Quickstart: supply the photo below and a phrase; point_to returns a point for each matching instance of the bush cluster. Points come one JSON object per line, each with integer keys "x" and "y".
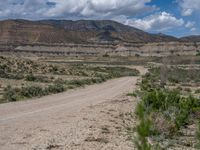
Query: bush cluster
{"x": 163, "y": 112}
{"x": 15, "y": 94}
{"x": 33, "y": 78}
{"x": 176, "y": 75}
{"x": 169, "y": 102}
{"x": 6, "y": 75}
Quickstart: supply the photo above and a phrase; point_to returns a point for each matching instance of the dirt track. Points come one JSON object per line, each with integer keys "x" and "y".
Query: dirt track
{"x": 36, "y": 124}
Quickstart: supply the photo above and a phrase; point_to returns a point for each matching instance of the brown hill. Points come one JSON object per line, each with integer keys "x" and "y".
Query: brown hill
{"x": 63, "y": 31}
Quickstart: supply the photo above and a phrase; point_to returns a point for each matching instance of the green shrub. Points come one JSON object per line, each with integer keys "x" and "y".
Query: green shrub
{"x": 198, "y": 54}
{"x": 16, "y": 76}
{"x": 10, "y": 94}
{"x": 164, "y": 100}
{"x": 32, "y": 91}
{"x": 30, "y": 77}
{"x": 76, "y": 83}
{"x": 14, "y": 94}
{"x": 188, "y": 90}
{"x": 198, "y": 136}
{"x": 79, "y": 83}
{"x": 143, "y": 128}
{"x": 165, "y": 110}
{"x": 56, "y": 88}
{"x": 174, "y": 79}
{"x": 197, "y": 91}
{"x": 134, "y": 94}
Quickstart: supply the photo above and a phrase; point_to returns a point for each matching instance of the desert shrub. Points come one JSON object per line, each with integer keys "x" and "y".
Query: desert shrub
{"x": 54, "y": 69}
{"x": 175, "y": 75}
{"x": 76, "y": 83}
{"x": 137, "y": 55}
{"x": 143, "y": 129}
{"x": 79, "y": 83}
{"x": 58, "y": 81}
{"x": 56, "y": 88}
{"x": 145, "y": 85}
{"x": 14, "y": 94}
{"x": 113, "y": 72}
{"x": 36, "y": 91}
{"x": 10, "y": 94}
{"x": 103, "y": 77}
{"x": 197, "y": 91}
{"x": 6, "y": 75}
{"x": 198, "y": 136}
{"x": 32, "y": 91}
{"x": 134, "y": 94}
{"x": 31, "y": 77}
{"x": 179, "y": 88}
{"x": 187, "y": 89}
{"x": 173, "y": 79}
{"x": 198, "y": 54}
{"x": 174, "y": 108}
{"x": 167, "y": 110}
{"x": 106, "y": 55}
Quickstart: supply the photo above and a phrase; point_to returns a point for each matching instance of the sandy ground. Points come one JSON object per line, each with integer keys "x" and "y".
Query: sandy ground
{"x": 86, "y": 118}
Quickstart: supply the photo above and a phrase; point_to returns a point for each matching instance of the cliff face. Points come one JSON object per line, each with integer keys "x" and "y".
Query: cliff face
{"x": 139, "y": 49}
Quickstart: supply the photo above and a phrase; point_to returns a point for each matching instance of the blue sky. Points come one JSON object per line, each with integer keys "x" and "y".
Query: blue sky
{"x": 173, "y": 17}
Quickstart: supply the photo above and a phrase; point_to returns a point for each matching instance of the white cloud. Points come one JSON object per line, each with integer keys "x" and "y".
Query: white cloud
{"x": 189, "y": 24}
{"x": 65, "y": 9}
{"x": 158, "y": 22}
{"x": 22, "y": 8}
{"x": 187, "y": 12}
{"x": 99, "y": 8}
{"x": 193, "y": 29}
{"x": 189, "y": 6}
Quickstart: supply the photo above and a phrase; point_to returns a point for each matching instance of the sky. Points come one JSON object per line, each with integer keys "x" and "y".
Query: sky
{"x": 173, "y": 17}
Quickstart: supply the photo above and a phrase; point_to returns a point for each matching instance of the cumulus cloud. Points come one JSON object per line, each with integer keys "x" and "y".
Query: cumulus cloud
{"x": 189, "y": 6}
{"x": 158, "y": 22}
{"x": 72, "y": 8}
{"x": 22, "y": 8}
{"x": 193, "y": 29}
{"x": 99, "y": 8}
{"x": 190, "y": 25}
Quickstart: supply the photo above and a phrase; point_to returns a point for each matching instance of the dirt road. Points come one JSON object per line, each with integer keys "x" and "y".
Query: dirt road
{"x": 37, "y": 124}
